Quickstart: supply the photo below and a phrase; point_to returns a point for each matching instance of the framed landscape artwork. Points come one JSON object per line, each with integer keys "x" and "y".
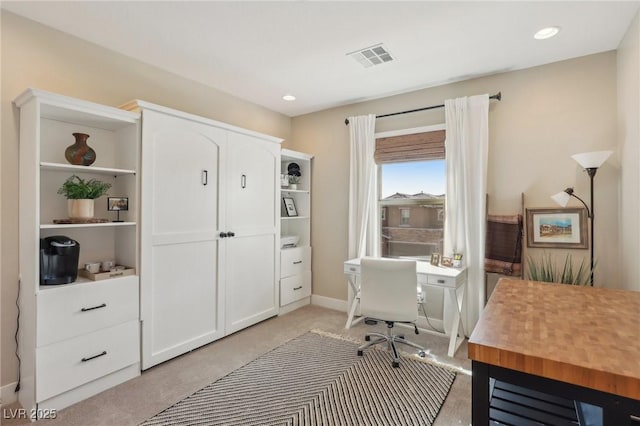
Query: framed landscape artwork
{"x": 557, "y": 228}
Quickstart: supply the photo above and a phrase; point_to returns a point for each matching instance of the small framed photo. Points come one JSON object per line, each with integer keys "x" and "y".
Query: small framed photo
{"x": 290, "y": 206}
{"x": 557, "y": 228}
{"x": 435, "y": 259}
{"x": 446, "y": 261}
{"x": 115, "y": 204}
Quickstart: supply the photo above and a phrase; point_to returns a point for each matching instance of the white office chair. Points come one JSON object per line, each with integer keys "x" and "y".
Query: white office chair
{"x": 388, "y": 292}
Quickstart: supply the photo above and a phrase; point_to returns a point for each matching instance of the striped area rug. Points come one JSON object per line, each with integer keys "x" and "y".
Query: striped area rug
{"x": 317, "y": 379}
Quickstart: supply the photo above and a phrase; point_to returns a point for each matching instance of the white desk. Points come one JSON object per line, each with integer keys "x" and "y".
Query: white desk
{"x": 448, "y": 279}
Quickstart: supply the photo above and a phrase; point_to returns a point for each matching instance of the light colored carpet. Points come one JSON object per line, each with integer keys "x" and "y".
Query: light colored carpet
{"x": 158, "y": 388}
{"x": 317, "y": 379}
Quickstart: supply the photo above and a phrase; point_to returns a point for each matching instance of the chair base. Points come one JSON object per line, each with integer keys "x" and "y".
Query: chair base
{"x": 390, "y": 339}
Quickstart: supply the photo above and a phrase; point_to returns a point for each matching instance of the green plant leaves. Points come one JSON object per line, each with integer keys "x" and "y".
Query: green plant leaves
{"x": 547, "y": 269}
{"x": 76, "y": 188}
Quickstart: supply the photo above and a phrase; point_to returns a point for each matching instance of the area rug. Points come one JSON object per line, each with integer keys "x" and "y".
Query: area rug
{"x": 318, "y": 379}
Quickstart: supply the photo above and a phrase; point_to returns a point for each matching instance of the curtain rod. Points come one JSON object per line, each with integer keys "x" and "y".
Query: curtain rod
{"x": 497, "y": 96}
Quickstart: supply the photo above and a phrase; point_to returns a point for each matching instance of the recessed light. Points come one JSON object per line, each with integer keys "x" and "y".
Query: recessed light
{"x": 546, "y": 33}
{"x": 289, "y": 98}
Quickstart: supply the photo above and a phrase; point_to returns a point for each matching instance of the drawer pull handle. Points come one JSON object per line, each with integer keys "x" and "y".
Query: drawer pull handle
{"x": 297, "y": 262}
{"x": 352, "y": 269}
{"x": 103, "y": 353}
{"x": 440, "y": 281}
{"x": 297, "y": 288}
{"x": 104, "y": 305}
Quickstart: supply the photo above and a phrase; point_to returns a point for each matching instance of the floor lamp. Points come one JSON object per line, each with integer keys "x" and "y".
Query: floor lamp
{"x": 590, "y": 162}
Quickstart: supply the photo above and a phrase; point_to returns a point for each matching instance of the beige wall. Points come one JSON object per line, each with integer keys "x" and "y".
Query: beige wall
{"x": 36, "y": 56}
{"x": 629, "y": 138}
{"x": 547, "y": 114}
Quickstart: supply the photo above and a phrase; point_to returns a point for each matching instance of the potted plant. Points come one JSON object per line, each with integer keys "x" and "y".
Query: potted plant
{"x": 81, "y": 194}
{"x": 548, "y": 269}
{"x": 293, "y": 181}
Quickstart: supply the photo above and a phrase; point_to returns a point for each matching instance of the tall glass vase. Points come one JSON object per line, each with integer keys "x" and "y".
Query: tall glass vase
{"x": 80, "y": 154}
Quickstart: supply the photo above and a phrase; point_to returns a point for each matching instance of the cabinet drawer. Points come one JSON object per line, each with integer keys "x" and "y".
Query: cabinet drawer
{"x": 295, "y": 288}
{"x": 295, "y": 261}
{"x": 438, "y": 280}
{"x": 65, "y": 365}
{"x": 352, "y": 269}
{"x": 74, "y": 310}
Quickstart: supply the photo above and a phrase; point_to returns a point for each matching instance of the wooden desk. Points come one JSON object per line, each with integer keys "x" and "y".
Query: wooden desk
{"x": 582, "y": 343}
{"x": 450, "y": 279}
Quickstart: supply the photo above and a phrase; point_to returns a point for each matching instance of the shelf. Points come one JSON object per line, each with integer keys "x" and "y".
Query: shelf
{"x": 300, "y": 191}
{"x": 294, "y": 217}
{"x": 76, "y": 111}
{"x": 85, "y": 169}
{"x": 79, "y": 281}
{"x": 84, "y": 225}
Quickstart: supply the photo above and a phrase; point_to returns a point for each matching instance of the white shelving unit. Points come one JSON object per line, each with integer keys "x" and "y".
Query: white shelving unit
{"x": 295, "y": 262}
{"x": 80, "y": 338}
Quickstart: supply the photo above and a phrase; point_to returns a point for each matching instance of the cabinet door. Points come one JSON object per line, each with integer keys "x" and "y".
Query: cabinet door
{"x": 251, "y": 291}
{"x": 181, "y": 301}
{"x": 252, "y": 200}
{"x": 253, "y": 182}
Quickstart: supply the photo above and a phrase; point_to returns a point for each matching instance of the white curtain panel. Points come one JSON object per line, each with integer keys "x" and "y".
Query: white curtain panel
{"x": 467, "y": 144}
{"x": 363, "y": 219}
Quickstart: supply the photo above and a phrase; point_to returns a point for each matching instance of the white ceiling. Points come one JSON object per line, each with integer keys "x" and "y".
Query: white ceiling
{"x": 262, "y": 50}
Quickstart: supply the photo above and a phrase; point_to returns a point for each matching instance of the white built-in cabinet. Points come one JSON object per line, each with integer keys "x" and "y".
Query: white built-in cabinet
{"x": 295, "y": 262}
{"x": 76, "y": 339}
{"x": 210, "y": 230}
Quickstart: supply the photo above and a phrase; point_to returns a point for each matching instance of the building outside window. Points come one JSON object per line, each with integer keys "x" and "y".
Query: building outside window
{"x": 412, "y": 221}
{"x": 411, "y": 191}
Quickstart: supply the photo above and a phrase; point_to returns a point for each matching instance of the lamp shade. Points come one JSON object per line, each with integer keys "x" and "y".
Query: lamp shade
{"x": 562, "y": 198}
{"x": 592, "y": 160}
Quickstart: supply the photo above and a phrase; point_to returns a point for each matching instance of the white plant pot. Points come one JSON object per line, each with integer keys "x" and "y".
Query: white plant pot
{"x": 80, "y": 209}
{"x": 293, "y": 186}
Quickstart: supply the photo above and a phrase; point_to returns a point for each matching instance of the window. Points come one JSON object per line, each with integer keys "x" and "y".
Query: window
{"x": 411, "y": 200}
{"x": 405, "y": 214}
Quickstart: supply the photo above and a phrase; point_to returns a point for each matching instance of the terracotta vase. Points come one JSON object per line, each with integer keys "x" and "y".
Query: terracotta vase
{"x": 80, "y": 154}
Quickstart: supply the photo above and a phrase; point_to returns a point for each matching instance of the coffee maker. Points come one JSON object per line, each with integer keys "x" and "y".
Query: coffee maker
{"x": 58, "y": 260}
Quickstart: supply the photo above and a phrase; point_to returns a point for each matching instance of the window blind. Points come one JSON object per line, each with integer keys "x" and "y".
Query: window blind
{"x": 415, "y": 147}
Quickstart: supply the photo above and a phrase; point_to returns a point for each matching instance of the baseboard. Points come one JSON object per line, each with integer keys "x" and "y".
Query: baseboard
{"x": 329, "y": 303}
{"x": 294, "y": 305}
{"x": 8, "y": 394}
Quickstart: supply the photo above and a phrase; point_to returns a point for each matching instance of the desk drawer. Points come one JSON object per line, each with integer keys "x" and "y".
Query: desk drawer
{"x": 66, "y": 365}
{"x": 352, "y": 269}
{"x": 71, "y": 311}
{"x": 295, "y": 288}
{"x": 440, "y": 281}
{"x": 295, "y": 261}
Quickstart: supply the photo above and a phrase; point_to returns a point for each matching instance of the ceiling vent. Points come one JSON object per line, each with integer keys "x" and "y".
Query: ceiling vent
{"x": 373, "y": 55}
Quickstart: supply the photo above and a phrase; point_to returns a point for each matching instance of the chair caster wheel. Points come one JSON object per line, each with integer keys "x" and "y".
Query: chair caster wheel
{"x": 360, "y": 353}
{"x": 395, "y": 364}
{"x": 401, "y": 336}
{"x": 422, "y": 354}
{"x": 367, "y": 338}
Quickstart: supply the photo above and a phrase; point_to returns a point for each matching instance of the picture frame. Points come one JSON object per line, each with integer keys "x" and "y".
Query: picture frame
{"x": 435, "y": 259}
{"x": 115, "y": 204}
{"x": 557, "y": 228}
{"x": 290, "y": 206}
{"x": 446, "y": 261}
